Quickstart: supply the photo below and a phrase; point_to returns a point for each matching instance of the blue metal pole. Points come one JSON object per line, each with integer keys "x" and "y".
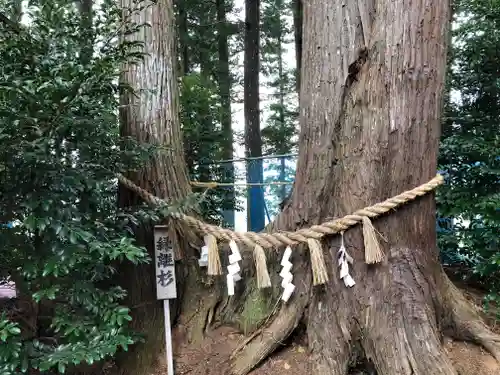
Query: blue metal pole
{"x": 256, "y": 217}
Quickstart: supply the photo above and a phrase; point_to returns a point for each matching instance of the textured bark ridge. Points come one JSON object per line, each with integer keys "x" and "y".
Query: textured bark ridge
{"x": 371, "y": 96}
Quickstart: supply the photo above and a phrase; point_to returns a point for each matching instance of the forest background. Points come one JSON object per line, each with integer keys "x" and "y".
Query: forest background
{"x": 212, "y": 68}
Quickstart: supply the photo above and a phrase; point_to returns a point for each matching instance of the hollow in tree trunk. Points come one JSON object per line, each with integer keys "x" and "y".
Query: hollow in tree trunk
{"x": 370, "y": 106}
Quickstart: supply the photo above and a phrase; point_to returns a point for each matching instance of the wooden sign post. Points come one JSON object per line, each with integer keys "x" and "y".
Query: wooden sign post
{"x": 165, "y": 284}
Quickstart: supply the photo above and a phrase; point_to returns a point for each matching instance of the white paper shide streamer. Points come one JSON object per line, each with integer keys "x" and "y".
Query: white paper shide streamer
{"x": 233, "y": 270}
{"x": 203, "y": 261}
{"x": 286, "y": 275}
{"x": 344, "y": 260}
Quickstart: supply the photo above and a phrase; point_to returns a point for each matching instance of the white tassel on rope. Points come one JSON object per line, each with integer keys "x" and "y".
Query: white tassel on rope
{"x": 286, "y": 275}
{"x": 214, "y": 266}
{"x": 263, "y": 279}
{"x": 233, "y": 270}
{"x": 318, "y": 265}
{"x": 343, "y": 260}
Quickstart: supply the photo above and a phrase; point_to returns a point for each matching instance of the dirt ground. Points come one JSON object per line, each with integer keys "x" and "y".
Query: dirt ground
{"x": 212, "y": 357}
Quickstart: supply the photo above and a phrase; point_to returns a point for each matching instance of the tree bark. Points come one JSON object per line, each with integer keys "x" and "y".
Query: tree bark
{"x": 150, "y": 115}
{"x": 371, "y": 98}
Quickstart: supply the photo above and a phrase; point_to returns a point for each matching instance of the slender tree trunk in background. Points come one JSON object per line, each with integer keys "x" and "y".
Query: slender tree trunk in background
{"x": 205, "y": 64}
{"x": 207, "y": 75}
{"x": 151, "y": 116}
{"x": 297, "y": 27}
{"x": 183, "y": 37}
{"x": 371, "y": 98}
{"x": 253, "y": 139}
{"x": 85, "y": 7}
{"x": 206, "y": 121}
{"x": 224, "y": 79}
{"x": 282, "y": 94}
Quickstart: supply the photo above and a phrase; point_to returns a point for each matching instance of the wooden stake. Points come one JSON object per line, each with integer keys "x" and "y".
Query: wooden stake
{"x": 168, "y": 337}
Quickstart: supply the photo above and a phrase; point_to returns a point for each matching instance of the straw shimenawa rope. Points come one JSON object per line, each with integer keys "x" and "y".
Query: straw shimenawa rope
{"x": 278, "y": 239}
{"x": 310, "y": 236}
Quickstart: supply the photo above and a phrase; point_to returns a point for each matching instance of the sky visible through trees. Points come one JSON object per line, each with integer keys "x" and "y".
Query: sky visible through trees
{"x": 238, "y": 118}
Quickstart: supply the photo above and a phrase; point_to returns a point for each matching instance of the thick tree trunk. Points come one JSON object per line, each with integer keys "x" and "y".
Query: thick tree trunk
{"x": 151, "y": 116}
{"x": 371, "y": 97}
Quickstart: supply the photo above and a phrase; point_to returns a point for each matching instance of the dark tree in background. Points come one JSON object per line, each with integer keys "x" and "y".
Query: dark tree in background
{"x": 253, "y": 138}
{"x": 224, "y": 29}
{"x": 297, "y": 26}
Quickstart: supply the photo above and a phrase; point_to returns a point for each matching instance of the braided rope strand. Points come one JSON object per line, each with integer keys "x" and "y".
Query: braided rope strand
{"x": 285, "y": 238}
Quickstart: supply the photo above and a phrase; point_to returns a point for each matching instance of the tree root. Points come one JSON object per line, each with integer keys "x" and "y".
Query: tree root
{"x": 285, "y": 321}
{"x": 199, "y": 305}
{"x": 467, "y": 322}
{"x": 271, "y": 338}
{"x": 331, "y": 348}
{"x": 406, "y": 347}
{"x": 332, "y": 360}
